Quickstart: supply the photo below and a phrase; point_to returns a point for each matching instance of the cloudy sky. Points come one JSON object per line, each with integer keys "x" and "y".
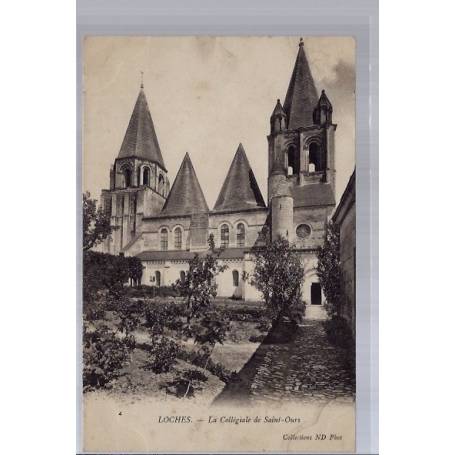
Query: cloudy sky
{"x": 206, "y": 95}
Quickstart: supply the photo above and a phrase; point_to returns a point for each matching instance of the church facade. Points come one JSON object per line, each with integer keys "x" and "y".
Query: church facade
{"x": 165, "y": 226}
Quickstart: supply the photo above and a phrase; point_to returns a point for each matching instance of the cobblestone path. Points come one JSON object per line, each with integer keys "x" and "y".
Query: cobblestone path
{"x": 303, "y": 366}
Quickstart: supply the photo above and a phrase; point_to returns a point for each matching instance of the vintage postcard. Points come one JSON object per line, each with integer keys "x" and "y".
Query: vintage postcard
{"x": 219, "y": 258}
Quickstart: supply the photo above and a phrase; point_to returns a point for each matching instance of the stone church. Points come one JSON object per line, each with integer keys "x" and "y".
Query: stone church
{"x": 164, "y": 226}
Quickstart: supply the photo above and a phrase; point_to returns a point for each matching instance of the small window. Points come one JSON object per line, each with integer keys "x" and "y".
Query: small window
{"x": 158, "y": 278}
{"x": 315, "y": 158}
{"x": 235, "y": 278}
{"x": 303, "y": 231}
{"x": 293, "y": 161}
{"x": 240, "y": 235}
{"x": 224, "y": 236}
{"x": 161, "y": 184}
{"x": 178, "y": 238}
{"x": 127, "y": 177}
{"x": 182, "y": 276}
{"x": 146, "y": 176}
{"x": 164, "y": 239}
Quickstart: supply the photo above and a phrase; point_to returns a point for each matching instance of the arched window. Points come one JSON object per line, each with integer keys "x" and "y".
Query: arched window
{"x": 315, "y": 158}
{"x": 182, "y": 276}
{"x": 163, "y": 239}
{"x": 161, "y": 184}
{"x": 158, "y": 278}
{"x": 224, "y": 236}
{"x": 127, "y": 177}
{"x": 146, "y": 176}
{"x": 293, "y": 161}
{"x": 178, "y": 238}
{"x": 235, "y": 278}
{"x": 240, "y": 235}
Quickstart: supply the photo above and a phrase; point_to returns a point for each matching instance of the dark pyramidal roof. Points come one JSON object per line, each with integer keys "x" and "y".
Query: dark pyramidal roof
{"x": 240, "y": 190}
{"x": 278, "y": 109}
{"x": 186, "y": 196}
{"x": 140, "y": 139}
{"x": 301, "y": 97}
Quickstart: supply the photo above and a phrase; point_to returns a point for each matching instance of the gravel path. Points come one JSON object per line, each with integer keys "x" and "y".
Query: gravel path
{"x": 293, "y": 365}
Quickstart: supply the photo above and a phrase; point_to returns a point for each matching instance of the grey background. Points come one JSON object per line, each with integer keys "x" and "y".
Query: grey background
{"x": 357, "y": 18}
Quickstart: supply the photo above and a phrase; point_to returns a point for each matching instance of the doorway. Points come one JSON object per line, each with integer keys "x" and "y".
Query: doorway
{"x": 316, "y": 294}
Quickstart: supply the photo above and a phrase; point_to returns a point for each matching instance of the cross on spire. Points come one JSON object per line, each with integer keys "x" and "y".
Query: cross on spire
{"x": 142, "y": 79}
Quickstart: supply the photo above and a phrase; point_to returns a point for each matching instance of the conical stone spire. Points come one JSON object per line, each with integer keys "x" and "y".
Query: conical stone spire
{"x": 186, "y": 196}
{"x": 301, "y": 97}
{"x": 140, "y": 139}
{"x": 240, "y": 190}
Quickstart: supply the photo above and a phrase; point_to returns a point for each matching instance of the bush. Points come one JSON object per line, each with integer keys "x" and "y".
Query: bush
{"x": 108, "y": 272}
{"x": 162, "y": 315}
{"x": 104, "y": 355}
{"x": 256, "y": 339}
{"x": 145, "y": 291}
{"x": 163, "y": 353}
{"x": 338, "y": 332}
{"x": 236, "y": 297}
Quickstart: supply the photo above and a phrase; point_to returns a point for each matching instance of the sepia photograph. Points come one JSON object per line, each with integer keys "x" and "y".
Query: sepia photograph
{"x": 219, "y": 243}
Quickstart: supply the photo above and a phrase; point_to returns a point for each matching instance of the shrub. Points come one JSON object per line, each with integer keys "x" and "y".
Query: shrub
{"x": 145, "y": 291}
{"x": 329, "y": 271}
{"x": 162, "y": 315}
{"x": 338, "y": 332}
{"x": 104, "y": 355}
{"x": 162, "y": 355}
{"x": 278, "y": 275}
{"x": 236, "y": 297}
{"x": 256, "y": 338}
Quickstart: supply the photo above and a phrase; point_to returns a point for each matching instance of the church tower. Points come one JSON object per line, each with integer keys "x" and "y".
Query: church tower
{"x": 139, "y": 184}
{"x": 301, "y": 150}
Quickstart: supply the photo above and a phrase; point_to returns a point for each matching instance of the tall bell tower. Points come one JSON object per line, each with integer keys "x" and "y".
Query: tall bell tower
{"x": 139, "y": 184}
{"x": 301, "y": 148}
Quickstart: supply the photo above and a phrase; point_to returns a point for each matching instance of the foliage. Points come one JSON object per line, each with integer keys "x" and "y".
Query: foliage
{"x": 338, "y": 332}
{"x": 129, "y": 313}
{"x": 278, "y": 275}
{"x": 108, "y": 272}
{"x": 104, "y": 356}
{"x": 145, "y": 291}
{"x": 165, "y": 314}
{"x": 135, "y": 269}
{"x": 162, "y": 354}
{"x": 211, "y": 328}
{"x": 198, "y": 287}
{"x": 329, "y": 270}
{"x": 95, "y": 221}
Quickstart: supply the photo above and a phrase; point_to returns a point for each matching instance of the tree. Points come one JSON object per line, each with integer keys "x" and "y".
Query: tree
{"x": 278, "y": 275}
{"x": 135, "y": 269}
{"x": 198, "y": 287}
{"x": 329, "y": 270}
{"x": 96, "y": 223}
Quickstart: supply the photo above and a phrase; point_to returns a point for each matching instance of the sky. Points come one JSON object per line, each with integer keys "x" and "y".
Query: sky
{"x": 206, "y": 95}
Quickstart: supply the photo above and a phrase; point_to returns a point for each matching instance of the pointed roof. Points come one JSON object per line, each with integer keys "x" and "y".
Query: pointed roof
{"x": 278, "y": 109}
{"x": 301, "y": 97}
{"x": 140, "y": 139}
{"x": 240, "y": 190}
{"x": 324, "y": 101}
{"x": 186, "y": 196}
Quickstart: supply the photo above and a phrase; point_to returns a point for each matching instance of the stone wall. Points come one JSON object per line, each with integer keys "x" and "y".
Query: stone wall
{"x": 345, "y": 218}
